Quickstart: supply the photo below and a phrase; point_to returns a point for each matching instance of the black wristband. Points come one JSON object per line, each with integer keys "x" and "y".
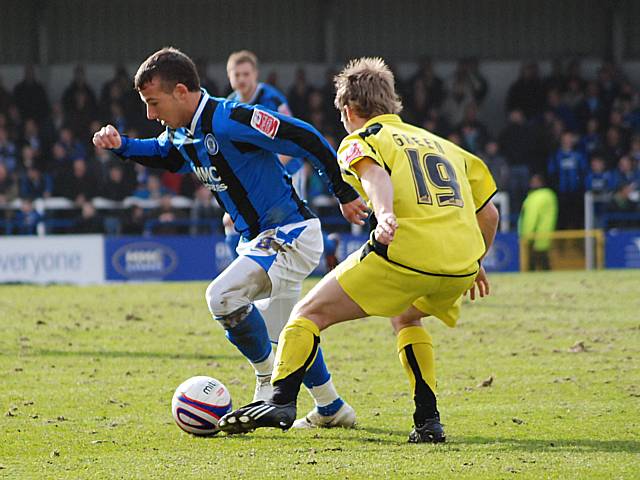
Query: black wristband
{"x": 346, "y": 194}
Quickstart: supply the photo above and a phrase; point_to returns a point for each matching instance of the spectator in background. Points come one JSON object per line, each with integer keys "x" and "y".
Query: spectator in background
{"x": 497, "y": 164}
{"x": 8, "y": 151}
{"x": 599, "y": 180}
{"x": 608, "y": 84}
{"x": 90, "y": 221}
{"x": 119, "y": 89}
{"x": 456, "y": 103}
{"x": 436, "y": 124}
{"x": 591, "y": 107}
{"x": 626, "y": 173}
{"x": 8, "y": 187}
{"x": 204, "y": 211}
{"x": 613, "y": 147}
{"x": 515, "y": 143}
{"x": 417, "y": 106}
{"x": 117, "y": 117}
{"x": 80, "y": 186}
{"x": 35, "y": 184}
{"x": 545, "y": 131}
{"x": 616, "y": 119}
{"x": 316, "y": 112}
{"x": 77, "y": 86}
{"x": 560, "y": 110}
{"x": 80, "y": 114}
{"x": 623, "y": 201}
{"x": 133, "y": 223}
{"x": 473, "y": 133}
{"x": 153, "y": 190}
{"x": 634, "y": 149}
{"x": 30, "y": 96}
{"x": 468, "y": 71}
{"x": 591, "y": 141}
{"x": 68, "y": 147}
{"x": 573, "y": 96}
{"x": 167, "y": 217}
{"x": 57, "y": 121}
{"x": 14, "y": 121}
{"x": 527, "y": 92}
{"x": 29, "y": 159}
{"x": 298, "y": 95}
{"x": 27, "y": 218}
{"x": 32, "y": 137}
{"x": 429, "y": 81}
{"x": 115, "y": 186}
{"x": 537, "y": 220}
{"x": 567, "y": 169}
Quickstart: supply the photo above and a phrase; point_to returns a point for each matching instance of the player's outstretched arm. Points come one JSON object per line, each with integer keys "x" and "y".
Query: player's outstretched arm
{"x": 378, "y": 187}
{"x": 150, "y": 152}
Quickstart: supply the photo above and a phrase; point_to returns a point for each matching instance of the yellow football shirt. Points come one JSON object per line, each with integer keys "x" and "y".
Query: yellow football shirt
{"x": 438, "y": 188}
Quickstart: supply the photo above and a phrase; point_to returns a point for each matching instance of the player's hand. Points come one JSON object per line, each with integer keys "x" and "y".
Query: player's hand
{"x": 482, "y": 283}
{"x": 107, "y": 137}
{"x": 386, "y": 228}
{"x": 354, "y": 211}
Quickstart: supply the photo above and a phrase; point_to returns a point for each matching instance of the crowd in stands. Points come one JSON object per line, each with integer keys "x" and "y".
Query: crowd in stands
{"x": 581, "y": 133}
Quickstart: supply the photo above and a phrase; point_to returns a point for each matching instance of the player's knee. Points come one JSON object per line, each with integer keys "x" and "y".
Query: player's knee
{"x": 223, "y": 301}
{"x": 405, "y": 320}
{"x": 313, "y": 310}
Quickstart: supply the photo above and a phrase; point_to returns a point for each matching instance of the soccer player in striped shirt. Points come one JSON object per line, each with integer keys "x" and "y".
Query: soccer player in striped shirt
{"x": 232, "y": 147}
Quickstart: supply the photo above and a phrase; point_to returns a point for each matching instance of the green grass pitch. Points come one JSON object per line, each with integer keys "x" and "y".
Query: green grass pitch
{"x": 87, "y": 375}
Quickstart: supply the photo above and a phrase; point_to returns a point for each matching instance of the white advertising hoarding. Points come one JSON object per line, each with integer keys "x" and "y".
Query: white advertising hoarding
{"x": 52, "y": 259}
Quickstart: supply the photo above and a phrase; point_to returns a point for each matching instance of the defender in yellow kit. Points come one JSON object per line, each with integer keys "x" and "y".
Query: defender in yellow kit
{"x": 432, "y": 223}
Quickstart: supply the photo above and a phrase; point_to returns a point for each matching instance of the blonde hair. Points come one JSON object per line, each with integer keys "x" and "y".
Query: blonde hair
{"x": 242, "y": 56}
{"x": 368, "y": 87}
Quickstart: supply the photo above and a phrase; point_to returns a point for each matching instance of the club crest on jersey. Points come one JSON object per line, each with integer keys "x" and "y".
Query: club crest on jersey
{"x": 354, "y": 151}
{"x": 265, "y": 123}
{"x": 211, "y": 144}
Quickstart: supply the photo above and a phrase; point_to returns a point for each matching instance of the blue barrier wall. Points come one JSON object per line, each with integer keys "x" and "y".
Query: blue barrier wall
{"x": 204, "y": 257}
{"x": 165, "y": 258}
{"x": 622, "y": 249}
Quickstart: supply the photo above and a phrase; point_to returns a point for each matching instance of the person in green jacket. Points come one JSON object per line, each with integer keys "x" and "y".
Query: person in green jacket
{"x": 538, "y": 216}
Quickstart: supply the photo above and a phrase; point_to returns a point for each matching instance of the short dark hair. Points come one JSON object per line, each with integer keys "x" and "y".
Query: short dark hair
{"x": 171, "y": 66}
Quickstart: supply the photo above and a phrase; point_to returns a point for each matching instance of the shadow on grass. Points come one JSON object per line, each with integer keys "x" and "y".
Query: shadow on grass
{"x": 524, "y": 444}
{"x": 125, "y": 354}
{"x": 535, "y": 445}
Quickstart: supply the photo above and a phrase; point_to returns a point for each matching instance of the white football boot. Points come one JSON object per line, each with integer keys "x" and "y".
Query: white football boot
{"x": 345, "y": 417}
{"x": 264, "y": 389}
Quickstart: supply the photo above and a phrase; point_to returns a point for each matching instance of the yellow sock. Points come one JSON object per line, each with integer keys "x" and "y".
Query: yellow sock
{"x": 297, "y": 348}
{"x": 415, "y": 350}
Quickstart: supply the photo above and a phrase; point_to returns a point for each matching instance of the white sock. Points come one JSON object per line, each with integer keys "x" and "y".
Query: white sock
{"x": 265, "y": 367}
{"x": 324, "y": 394}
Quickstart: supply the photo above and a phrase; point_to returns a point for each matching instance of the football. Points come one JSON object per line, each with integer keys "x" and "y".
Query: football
{"x": 198, "y": 403}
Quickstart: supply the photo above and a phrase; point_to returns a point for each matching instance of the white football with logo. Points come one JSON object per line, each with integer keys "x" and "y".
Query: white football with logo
{"x": 198, "y": 404}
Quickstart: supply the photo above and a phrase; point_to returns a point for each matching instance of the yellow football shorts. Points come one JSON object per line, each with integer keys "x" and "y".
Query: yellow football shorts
{"x": 384, "y": 289}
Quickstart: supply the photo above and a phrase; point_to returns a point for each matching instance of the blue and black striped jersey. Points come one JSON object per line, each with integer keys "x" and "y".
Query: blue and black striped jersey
{"x": 232, "y": 147}
{"x": 268, "y": 96}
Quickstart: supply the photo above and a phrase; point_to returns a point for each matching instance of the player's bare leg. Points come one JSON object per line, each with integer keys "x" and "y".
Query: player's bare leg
{"x": 325, "y": 305}
{"x": 415, "y": 350}
{"x": 330, "y": 409}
